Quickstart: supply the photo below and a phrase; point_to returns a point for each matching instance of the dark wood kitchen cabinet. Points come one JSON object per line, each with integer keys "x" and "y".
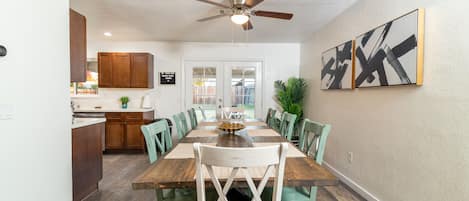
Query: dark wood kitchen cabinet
{"x": 87, "y": 159}
{"x": 115, "y": 135}
{"x": 121, "y": 70}
{"x": 125, "y": 70}
{"x": 77, "y": 46}
{"x": 142, "y": 70}
{"x": 105, "y": 68}
{"x": 134, "y": 138}
{"x": 123, "y": 130}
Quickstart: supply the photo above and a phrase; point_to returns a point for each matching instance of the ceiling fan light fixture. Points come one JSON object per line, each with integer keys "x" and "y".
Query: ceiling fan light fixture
{"x": 239, "y": 18}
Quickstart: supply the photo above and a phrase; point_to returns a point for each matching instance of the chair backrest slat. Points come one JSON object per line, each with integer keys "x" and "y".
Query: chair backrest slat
{"x": 269, "y": 120}
{"x": 157, "y": 136}
{"x": 287, "y": 125}
{"x": 183, "y": 118}
{"x": 178, "y": 123}
{"x": 181, "y": 124}
{"x": 240, "y": 159}
{"x": 313, "y": 137}
{"x": 192, "y": 117}
{"x": 202, "y": 111}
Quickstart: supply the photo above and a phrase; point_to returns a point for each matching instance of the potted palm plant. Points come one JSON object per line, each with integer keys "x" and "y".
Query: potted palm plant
{"x": 289, "y": 95}
{"x": 124, "y": 100}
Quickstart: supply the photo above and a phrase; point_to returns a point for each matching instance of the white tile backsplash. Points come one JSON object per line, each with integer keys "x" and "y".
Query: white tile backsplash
{"x": 109, "y": 98}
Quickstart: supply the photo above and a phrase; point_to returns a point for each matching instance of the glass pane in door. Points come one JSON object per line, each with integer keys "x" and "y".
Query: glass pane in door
{"x": 204, "y": 91}
{"x": 243, "y": 89}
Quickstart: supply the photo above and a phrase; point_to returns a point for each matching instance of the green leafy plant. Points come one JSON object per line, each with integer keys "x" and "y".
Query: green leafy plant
{"x": 290, "y": 95}
{"x": 124, "y": 99}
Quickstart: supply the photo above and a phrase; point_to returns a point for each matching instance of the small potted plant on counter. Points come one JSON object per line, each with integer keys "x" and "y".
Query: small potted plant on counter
{"x": 124, "y": 101}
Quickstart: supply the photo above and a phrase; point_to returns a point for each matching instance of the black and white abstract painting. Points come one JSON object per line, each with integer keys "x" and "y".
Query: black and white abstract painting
{"x": 337, "y": 68}
{"x": 387, "y": 55}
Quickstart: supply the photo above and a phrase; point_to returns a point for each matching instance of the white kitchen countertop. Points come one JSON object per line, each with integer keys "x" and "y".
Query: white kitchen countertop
{"x": 114, "y": 110}
{"x": 82, "y": 122}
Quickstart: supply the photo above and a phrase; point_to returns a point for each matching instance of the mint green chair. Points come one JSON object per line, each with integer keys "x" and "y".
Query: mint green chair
{"x": 193, "y": 118}
{"x": 182, "y": 116}
{"x": 313, "y": 137}
{"x": 287, "y": 125}
{"x": 181, "y": 124}
{"x": 157, "y": 136}
{"x": 275, "y": 123}
{"x": 269, "y": 120}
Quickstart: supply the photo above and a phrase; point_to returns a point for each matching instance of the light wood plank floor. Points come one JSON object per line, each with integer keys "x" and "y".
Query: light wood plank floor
{"x": 121, "y": 169}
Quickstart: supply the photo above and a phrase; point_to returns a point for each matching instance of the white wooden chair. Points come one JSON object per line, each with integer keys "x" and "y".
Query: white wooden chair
{"x": 240, "y": 159}
{"x": 230, "y": 112}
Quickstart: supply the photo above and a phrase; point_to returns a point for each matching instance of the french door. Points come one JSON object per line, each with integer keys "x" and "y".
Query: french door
{"x": 214, "y": 85}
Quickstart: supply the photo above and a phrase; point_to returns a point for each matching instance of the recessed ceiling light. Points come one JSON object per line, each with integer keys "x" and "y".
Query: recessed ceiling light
{"x": 108, "y": 34}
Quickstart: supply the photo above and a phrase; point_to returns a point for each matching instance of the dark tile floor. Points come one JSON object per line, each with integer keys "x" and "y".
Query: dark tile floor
{"x": 121, "y": 169}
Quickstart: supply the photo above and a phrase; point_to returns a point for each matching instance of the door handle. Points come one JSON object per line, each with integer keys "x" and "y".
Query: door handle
{"x": 3, "y": 51}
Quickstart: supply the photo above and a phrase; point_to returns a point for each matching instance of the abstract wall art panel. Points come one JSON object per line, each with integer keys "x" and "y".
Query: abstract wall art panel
{"x": 391, "y": 54}
{"x": 337, "y": 67}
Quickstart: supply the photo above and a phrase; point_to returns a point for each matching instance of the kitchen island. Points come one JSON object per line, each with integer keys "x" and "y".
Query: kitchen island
{"x": 87, "y": 155}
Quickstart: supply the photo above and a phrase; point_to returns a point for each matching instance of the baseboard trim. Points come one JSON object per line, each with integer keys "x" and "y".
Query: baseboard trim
{"x": 354, "y": 186}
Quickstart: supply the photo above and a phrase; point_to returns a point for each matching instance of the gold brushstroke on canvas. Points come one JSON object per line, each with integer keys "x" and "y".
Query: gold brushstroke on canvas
{"x": 420, "y": 46}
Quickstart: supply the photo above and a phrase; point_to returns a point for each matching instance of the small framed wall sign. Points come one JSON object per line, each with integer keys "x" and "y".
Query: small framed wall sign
{"x": 168, "y": 78}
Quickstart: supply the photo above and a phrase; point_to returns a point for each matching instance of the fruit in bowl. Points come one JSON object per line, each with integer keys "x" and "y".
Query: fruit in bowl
{"x": 231, "y": 127}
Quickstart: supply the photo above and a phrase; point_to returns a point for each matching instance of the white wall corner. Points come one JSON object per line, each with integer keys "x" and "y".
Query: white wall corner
{"x": 352, "y": 184}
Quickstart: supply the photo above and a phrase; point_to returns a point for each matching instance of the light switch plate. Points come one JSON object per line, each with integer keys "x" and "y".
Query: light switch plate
{"x": 7, "y": 111}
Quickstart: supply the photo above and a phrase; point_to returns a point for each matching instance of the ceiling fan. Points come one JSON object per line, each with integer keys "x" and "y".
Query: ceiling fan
{"x": 241, "y": 11}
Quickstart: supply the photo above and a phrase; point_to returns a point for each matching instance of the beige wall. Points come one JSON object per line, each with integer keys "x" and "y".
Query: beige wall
{"x": 409, "y": 143}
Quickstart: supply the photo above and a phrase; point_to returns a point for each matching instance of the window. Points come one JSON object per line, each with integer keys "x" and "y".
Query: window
{"x": 204, "y": 90}
{"x": 243, "y": 89}
{"x": 90, "y": 87}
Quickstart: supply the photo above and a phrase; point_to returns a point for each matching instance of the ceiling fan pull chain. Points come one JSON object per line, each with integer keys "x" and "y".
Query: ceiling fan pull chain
{"x": 232, "y": 34}
{"x": 246, "y": 36}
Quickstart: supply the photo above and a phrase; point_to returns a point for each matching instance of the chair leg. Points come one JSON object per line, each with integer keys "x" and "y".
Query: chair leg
{"x": 171, "y": 193}
{"x": 159, "y": 194}
{"x": 313, "y": 193}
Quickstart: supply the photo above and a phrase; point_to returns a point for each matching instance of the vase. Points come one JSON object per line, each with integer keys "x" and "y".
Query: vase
{"x": 124, "y": 105}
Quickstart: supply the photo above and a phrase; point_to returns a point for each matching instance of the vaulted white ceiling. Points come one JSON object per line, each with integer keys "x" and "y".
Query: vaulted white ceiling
{"x": 175, "y": 20}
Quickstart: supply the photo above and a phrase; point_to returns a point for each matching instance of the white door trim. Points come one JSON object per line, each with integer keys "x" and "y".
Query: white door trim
{"x": 259, "y": 77}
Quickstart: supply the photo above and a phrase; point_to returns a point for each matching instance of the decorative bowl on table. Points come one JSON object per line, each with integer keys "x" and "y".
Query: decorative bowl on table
{"x": 231, "y": 127}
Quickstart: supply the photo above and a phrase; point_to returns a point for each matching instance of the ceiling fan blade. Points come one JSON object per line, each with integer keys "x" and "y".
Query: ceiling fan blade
{"x": 252, "y": 3}
{"x": 211, "y": 17}
{"x": 215, "y": 3}
{"x": 284, "y": 16}
{"x": 247, "y": 26}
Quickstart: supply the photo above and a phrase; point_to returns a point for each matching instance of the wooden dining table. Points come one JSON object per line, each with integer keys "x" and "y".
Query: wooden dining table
{"x": 176, "y": 168}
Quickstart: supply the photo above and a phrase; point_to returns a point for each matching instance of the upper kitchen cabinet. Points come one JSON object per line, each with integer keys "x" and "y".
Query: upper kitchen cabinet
{"x": 105, "y": 68}
{"x": 121, "y": 66}
{"x": 77, "y": 47}
{"x": 125, "y": 70}
{"x": 142, "y": 70}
